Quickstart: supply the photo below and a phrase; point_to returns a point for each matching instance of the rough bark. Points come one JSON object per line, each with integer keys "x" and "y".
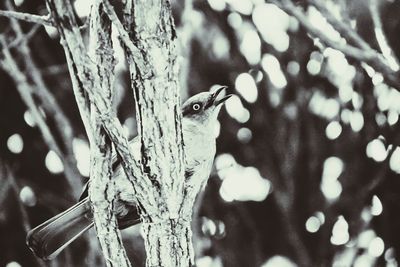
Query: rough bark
{"x": 167, "y": 234}
{"x": 157, "y": 176}
{"x": 168, "y": 243}
{"x": 102, "y": 189}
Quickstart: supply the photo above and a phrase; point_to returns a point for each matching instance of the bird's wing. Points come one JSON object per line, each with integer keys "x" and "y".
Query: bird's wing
{"x": 115, "y": 164}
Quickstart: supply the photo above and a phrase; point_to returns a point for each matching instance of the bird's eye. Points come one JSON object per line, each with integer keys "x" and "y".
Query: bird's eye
{"x": 196, "y": 107}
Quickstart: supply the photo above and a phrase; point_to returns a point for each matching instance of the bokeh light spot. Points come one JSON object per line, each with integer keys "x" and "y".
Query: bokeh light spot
{"x": 340, "y": 233}
{"x": 313, "y": 224}
{"x": 82, "y": 155}
{"x": 53, "y": 163}
{"x": 247, "y": 87}
{"x": 376, "y": 247}
{"x": 15, "y": 143}
{"x": 27, "y": 196}
{"x": 333, "y": 130}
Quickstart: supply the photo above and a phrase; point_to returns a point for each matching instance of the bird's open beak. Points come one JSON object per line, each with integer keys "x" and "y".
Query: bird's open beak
{"x": 217, "y": 101}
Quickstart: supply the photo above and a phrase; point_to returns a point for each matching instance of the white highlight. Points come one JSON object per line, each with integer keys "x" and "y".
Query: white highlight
{"x": 235, "y": 20}
{"x": 247, "y": 87}
{"x": 393, "y": 117}
{"x": 273, "y": 24}
{"x": 27, "y": 196}
{"x": 333, "y": 130}
{"x": 217, "y": 5}
{"x": 327, "y": 108}
{"x": 208, "y": 261}
{"x": 280, "y": 261}
{"x": 313, "y": 66}
{"x": 319, "y": 21}
{"x": 13, "y": 264}
{"x": 82, "y": 155}
{"x": 320, "y": 216}
{"x": 376, "y": 247}
{"x": 330, "y": 186}
{"x": 51, "y": 31}
{"x": 53, "y": 163}
{"x": 15, "y": 143}
{"x": 376, "y": 208}
{"x": 313, "y": 224}
{"x": 376, "y": 150}
{"x": 242, "y": 6}
{"x": 235, "y": 109}
{"x": 82, "y": 7}
{"x": 220, "y": 47}
{"x": 394, "y": 162}
{"x": 18, "y": 2}
{"x": 338, "y": 71}
{"x": 272, "y": 67}
{"x": 357, "y": 100}
{"x": 293, "y": 68}
{"x": 386, "y": 50}
{"x": 28, "y": 118}
{"x": 365, "y": 238}
{"x": 363, "y": 260}
{"x": 244, "y": 135}
{"x": 224, "y": 163}
{"x": 340, "y": 234}
{"x": 356, "y": 121}
{"x": 251, "y": 47}
{"x": 345, "y": 93}
{"x": 244, "y": 184}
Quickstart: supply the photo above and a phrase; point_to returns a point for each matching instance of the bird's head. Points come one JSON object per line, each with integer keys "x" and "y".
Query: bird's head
{"x": 203, "y": 108}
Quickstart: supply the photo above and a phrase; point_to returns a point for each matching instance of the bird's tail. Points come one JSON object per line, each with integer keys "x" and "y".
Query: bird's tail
{"x": 51, "y": 237}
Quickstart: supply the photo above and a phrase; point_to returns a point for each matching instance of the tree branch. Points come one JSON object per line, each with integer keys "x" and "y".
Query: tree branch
{"x": 102, "y": 187}
{"x": 8, "y": 174}
{"x": 345, "y": 29}
{"x": 157, "y": 176}
{"x": 25, "y": 38}
{"x": 25, "y": 90}
{"x": 149, "y": 23}
{"x": 369, "y": 56}
{"x": 381, "y": 38}
{"x": 50, "y": 104}
{"x": 43, "y": 20}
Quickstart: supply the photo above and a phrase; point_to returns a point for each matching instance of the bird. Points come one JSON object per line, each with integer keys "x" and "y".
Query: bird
{"x": 199, "y": 117}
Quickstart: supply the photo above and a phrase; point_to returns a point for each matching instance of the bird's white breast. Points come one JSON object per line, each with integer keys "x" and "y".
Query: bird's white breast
{"x": 199, "y": 147}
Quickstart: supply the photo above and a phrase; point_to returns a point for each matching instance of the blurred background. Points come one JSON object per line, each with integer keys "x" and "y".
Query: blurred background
{"x": 307, "y": 166}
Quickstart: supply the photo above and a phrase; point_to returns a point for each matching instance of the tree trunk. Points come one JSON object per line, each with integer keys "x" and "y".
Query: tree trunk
{"x": 168, "y": 243}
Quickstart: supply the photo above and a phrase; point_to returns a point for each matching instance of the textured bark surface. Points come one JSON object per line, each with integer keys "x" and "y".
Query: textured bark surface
{"x": 102, "y": 188}
{"x": 168, "y": 243}
{"x": 157, "y": 176}
{"x": 167, "y": 233}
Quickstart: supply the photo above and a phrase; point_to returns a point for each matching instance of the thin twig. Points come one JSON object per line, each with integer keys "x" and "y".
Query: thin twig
{"x": 102, "y": 188}
{"x": 6, "y": 172}
{"x": 50, "y": 104}
{"x": 384, "y": 46}
{"x": 26, "y": 91}
{"x": 24, "y": 38}
{"x": 340, "y": 26}
{"x": 43, "y": 20}
{"x": 54, "y": 69}
{"x": 375, "y": 60}
{"x": 85, "y": 83}
{"x": 140, "y": 61}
